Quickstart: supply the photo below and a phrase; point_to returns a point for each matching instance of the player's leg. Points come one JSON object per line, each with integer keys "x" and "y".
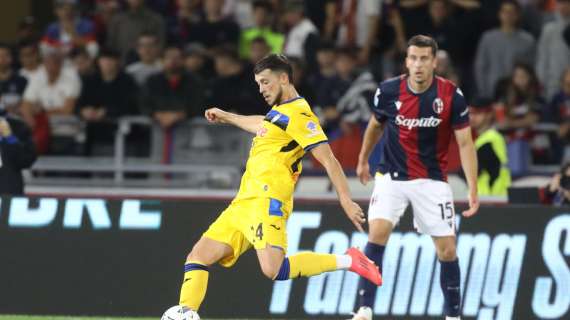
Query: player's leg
{"x": 222, "y": 243}
{"x": 204, "y": 253}
{"x": 276, "y": 266}
{"x": 450, "y": 277}
{"x": 266, "y": 231}
{"x": 434, "y": 214}
{"x": 387, "y": 205}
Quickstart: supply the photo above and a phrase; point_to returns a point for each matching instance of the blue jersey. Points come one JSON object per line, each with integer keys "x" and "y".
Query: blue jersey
{"x": 418, "y": 127}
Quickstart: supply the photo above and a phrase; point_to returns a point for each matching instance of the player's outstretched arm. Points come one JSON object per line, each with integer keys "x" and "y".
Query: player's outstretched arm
{"x": 247, "y": 123}
{"x": 468, "y": 156}
{"x": 324, "y": 155}
{"x": 372, "y": 135}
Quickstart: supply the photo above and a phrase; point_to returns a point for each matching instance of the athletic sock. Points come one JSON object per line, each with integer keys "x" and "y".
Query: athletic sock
{"x": 306, "y": 264}
{"x": 449, "y": 278}
{"x": 194, "y": 286}
{"x": 366, "y": 289}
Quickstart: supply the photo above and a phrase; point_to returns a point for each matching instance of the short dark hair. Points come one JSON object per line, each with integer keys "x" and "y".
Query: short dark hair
{"x": 263, "y": 4}
{"x": 514, "y": 3}
{"x": 274, "y": 62}
{"x": 109, "y": 53}
{"x": 423, "y": 41}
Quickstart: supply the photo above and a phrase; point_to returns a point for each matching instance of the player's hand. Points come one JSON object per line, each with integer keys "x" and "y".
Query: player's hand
{"x": 473, "y": 205}
{"x": 215, "y": 115}
{"x": 354, "y": 213}
{"x": 363, "y": 172}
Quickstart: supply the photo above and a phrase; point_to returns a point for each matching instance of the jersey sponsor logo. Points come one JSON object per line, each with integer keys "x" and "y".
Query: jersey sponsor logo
{"x": 411, "y": 123}
{"x": 398, "y": 105}
{"x": 437, "y": 105}
{"x": 312, "y": 126}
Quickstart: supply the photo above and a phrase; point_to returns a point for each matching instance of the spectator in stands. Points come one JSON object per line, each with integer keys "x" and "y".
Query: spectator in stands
{"x": 263, "y": 21}
{"x": 124, "y": 28}
{"x": 83, "y": 63}
{"x": 359, "y": 24}
{"x": 106, "y": 96}
{"x": 258, "y": 49}
{"x": 197, "y": 62}
{"x": 522, "y": 102}
{"x": 500, "y": 48}
{"x": 148, "y": 49}
{"x": 51, "y": 94}
{"x": 332, "y": 89}
{"x": 70, "y": 31}
{"x": 445, "y": 67}
{"x": 494, "y": 177}
{"x": 214, "y": 29}
{"x": 557, "y": 192}
{"x": 27, "y": 30}
{"x": 553, "y": 53}
{"x": 173, "y": 95}
{"x": 16, "y": 152}
{"x": 302, "y": 37}
{"x": 559, "y": 113}
{"x": 12, "y": 85}
{"x": 233, "y": 87}
{"x": 300, "y": 79}
{"x": 323, "y": 13}
{"x": 28, "y": 54}
{"x": 326, "y": 57}
{"x": 178, "y": 25}
{"x": 104, "y": 11}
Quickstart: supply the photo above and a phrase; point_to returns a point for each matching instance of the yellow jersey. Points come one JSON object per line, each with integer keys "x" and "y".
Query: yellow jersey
{"x": 289, "y": 130}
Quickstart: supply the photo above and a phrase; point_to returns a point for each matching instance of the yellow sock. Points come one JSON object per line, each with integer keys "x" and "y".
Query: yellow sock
{"x": 194, "y": 286}
{"x": 306, "y": 264}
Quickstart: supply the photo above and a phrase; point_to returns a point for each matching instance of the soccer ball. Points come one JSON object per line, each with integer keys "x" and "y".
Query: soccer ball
{"x": 180, "y": 313}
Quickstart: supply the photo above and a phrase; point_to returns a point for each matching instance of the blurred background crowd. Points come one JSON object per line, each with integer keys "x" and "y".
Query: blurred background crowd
{"x": 100, "y": 60}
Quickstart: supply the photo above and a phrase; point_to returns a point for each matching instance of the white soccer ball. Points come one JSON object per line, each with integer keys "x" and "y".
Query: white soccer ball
{"x": 180, "y": 313}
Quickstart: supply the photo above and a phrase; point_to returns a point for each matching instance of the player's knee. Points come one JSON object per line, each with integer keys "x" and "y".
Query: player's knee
{"x": 270, "y": 270}
{"x": 197, "y": 255}
{"x": 447, "y": 253}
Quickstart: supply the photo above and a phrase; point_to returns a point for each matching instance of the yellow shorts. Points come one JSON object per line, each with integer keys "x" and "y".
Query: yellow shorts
{"x": 256, "y": 222}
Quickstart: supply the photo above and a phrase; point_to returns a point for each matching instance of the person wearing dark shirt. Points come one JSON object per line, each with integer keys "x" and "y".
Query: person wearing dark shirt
{"x": 233, "y": 86}
{"x": 214, "y": 29}
{"x": 106, "y": 96}
{"x": 17, "y": 152}
{"x": 493, "y": 177}
{"x": 12, "y": 85}
{"x": 173, "y": 95}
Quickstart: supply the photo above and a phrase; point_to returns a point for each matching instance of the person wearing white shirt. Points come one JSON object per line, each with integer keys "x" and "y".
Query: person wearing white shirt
{"x": 53, "y": 90}
{"x": 302, "y": 32}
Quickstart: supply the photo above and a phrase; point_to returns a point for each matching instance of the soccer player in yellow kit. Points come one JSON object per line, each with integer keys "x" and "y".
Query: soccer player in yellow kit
{"x": 258, "y": 214}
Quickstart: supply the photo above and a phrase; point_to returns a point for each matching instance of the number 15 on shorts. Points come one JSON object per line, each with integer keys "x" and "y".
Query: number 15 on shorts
{"x": 446, "y": 210}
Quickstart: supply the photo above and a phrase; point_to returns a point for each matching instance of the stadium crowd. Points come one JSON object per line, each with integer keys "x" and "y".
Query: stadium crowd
{"x": 100, "y": 60}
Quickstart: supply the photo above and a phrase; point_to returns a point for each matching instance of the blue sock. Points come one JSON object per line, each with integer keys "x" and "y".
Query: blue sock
{"x": 449, "y": 278}
{"x": 367, "y": 289}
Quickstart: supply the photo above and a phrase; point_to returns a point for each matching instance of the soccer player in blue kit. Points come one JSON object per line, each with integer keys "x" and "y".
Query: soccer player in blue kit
{"x": 417, "y": 113}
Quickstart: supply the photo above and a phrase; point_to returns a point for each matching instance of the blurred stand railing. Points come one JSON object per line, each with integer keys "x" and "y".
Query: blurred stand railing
{"x": 200, "y": 155}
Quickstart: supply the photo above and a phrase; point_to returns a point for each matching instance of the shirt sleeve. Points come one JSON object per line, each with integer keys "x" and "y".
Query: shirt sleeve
{"x": 31, "y": 94}
{"x": 379, "y": 105}
{"x": 459, "y": 111}
{"x": 305, "y": 129}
